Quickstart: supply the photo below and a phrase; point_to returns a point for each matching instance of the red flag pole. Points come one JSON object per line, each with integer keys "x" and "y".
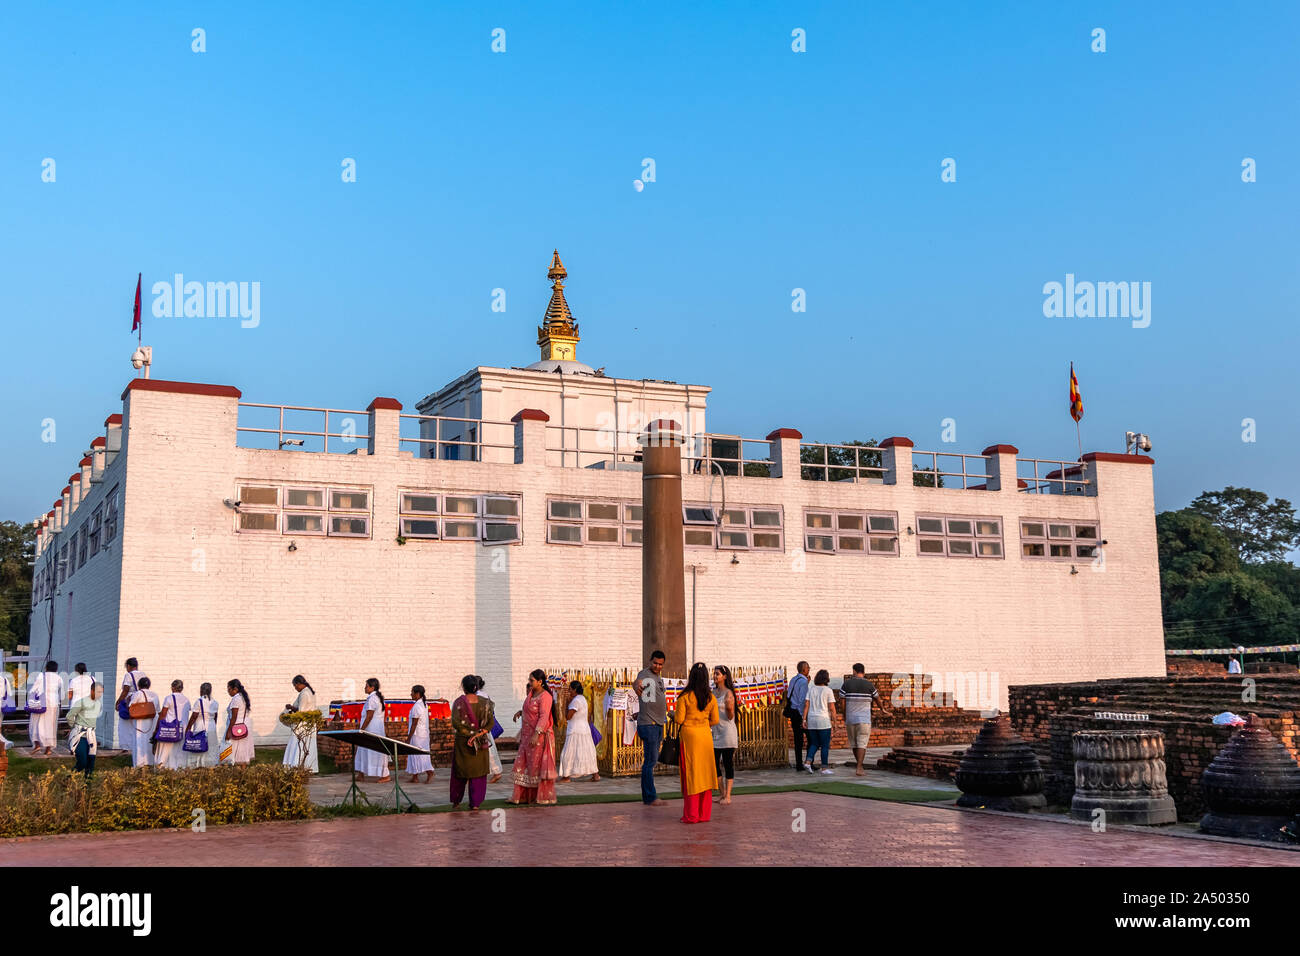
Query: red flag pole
{"x": 138, "y": 322}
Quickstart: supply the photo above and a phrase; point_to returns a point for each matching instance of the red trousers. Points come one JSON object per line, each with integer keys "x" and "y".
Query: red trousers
{"x": 697, "y": 807}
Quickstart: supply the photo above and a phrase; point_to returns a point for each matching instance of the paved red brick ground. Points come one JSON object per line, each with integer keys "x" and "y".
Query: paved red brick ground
{"x": 755, "y": 830}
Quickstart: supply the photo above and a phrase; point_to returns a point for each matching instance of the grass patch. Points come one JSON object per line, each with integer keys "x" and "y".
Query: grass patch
{"x": 24, "y": 767}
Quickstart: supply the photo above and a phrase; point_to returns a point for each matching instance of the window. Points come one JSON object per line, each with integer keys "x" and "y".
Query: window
{"x": 349, "y": 500}
{"x": 259, "y": 496}
{"x": 96, "y": 528}
{"x": 110, "y": 516}
{"x": 491, "y": 519}
{"x": 72, "y": 554}
{"x": 258, "y": 521}
{"x": 304, "y": 498}
{"x": 748, "y": 528}
{"x": 63, "y": 564}
{"x": 270, "y": 509}
{"x": 959, "y": 536}
{"x": 586, "y": 522}
{"x": 851, "y": 532}
{"x": 83, "y": 544}
{"x": 349, "y": 526}
{"x": 1059, "y": 539}
{"x": 304, "y": 524}
{"x": 699, "y": 514}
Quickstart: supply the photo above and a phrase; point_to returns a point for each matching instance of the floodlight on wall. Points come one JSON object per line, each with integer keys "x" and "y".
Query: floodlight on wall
{"x": 1135, "y": 442}
{"x": 909, "y": 530}
{"x": 232, "y": 505}
{"x": 1073, "y": 569}
{"x": 290, "y": 441}
{"x": 735, "y": 559}
{"x": 293, "y": 545}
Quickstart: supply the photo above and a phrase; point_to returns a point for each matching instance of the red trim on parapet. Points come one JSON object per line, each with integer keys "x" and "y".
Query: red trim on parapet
{"x": 67, "y": 490}
{"x": 183, "y": 388}
{"x": 391, "y": 404}
{"x": 1001, "y": 450}
{"x": 58, "y": 504}
{"x": 72, "y": 478}
{"x": 114, "y": 419}
{"x": 897, "y": 441}
{"x": 1112, "y": 456}
{"x": 99, "y": 442}
{"x": 87, "y": 461}
{"x": 785, "y": 433}
{"x": 530, "y": 415}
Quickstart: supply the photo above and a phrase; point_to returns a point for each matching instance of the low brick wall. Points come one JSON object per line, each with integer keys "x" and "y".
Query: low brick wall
{"x": 1047, "y": 715}
{"x": 921, "y": 763}
{"x": 441, "y": 742}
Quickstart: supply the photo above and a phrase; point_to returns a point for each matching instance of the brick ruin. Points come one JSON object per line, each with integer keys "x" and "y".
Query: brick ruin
{"x": 1046, "y": 715}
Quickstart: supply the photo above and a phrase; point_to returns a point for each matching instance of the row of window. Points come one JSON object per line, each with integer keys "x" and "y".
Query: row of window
{"x": 953, "y": 536}
{"x": 82, "y": 545}
{"x": 618, "y": 523}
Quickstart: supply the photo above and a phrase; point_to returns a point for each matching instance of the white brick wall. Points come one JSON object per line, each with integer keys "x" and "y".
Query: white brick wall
{"x": 201, "y": 602}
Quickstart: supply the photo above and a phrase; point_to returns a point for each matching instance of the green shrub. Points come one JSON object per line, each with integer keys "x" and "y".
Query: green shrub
{"x": 63, "y": 801}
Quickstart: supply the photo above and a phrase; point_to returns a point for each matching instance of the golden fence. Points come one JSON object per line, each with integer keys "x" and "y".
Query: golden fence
{"x": 760, "y": 725}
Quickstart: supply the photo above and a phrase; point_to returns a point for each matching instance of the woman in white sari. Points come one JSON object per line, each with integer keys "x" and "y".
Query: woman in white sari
{"x": 371, "y": 764}
{"x": 306, "y": 700}
{"x": 241, "y": 747}
{"x": 45, "y": 690}
{"x": 203, "y": 717}
{"x": 141, "y": 743}
{"x": 175, "y": 707}
{"x": 419, "y": 736}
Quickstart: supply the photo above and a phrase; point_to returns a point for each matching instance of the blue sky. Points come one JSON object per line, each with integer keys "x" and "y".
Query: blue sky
{"x": 775, "y": 170}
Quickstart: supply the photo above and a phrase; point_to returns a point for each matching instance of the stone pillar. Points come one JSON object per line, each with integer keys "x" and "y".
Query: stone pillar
{"x": 530, "y": 436}
{"x": 1122, "y": 773}
{"x": 663, "y": 585}
{"x": 74, "y": 482}
{"x": 385, "y": 424}
{"x": 1001, "y": 467}
{"x": 785, "y": 452}
{"x": 112, "y": 438}
{"x": 897, "y": 459}
{"x": 97, "y": 456}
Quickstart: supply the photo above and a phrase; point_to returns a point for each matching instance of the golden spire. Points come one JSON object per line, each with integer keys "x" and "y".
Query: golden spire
{"x": 558, "y": 333}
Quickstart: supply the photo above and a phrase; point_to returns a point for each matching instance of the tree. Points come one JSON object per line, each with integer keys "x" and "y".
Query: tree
{"x": 1230, "y": 608}
{"x": 1189, "y": 548}
{"x": 17, "y": 546}
{"x": 820, "y": 463}
{"x": 1260, "y": 530}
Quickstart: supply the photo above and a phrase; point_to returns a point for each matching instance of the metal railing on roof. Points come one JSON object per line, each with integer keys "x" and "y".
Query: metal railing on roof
{"x": 947, "y": 468}
{"x": 824, "y": 462}
{"x": 301, "y": 428}
{"x": 729, "y": 455}
{"x": 457, "y": 439}
{"x": 1049, "y": 476}
{"x": 571, "y": 446}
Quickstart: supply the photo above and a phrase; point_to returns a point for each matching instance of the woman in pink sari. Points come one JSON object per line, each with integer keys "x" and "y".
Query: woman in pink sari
{"x": 534, "y": 774}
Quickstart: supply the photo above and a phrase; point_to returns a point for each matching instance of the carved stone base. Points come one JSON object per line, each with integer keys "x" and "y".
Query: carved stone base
{"x": 1145, "y": 811}
{"x": 1023, "y": 801}
{"x": 1245, "y": 826}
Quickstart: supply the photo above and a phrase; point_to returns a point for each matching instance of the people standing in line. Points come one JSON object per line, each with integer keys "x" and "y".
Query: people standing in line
{"x": 79, "y": 686}
{"x": 175, "y": 707}
{"x": 7, "y": 700}
{"x": 44, "y": 695}
{"x": 418, "y": 736}
{"x": 534, "y": 771}
{"x": 371, "y": 764}
{"x": 494, "y": 757}
{"x": 239, "y": 741}
{"x": 857, "y": 694}
{"x": 817, "y": 720}
{"x": 578, "y": 758}
{"x": 796, "y": 696}
{"x": 306, "y": 700}
{"x": 82, "y": 717}
{"x": 726, "y": 738}
{"x": 129, "y": 684}
{"x": 471, "y": 719}
{"x": 650, "y": 722}
{"x": 203, "y": 716}
{"x": 143, "y": 727}
{"x": 696, "y": 713}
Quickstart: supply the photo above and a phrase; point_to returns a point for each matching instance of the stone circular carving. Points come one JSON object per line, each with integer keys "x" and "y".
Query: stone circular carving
{"x": 1121, "y": 772}
{"x": 1000, "y": 771}
{"x": 1252, "y": 788}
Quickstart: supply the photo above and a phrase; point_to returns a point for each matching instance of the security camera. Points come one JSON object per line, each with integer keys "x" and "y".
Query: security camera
{"x": 232, "y": 505}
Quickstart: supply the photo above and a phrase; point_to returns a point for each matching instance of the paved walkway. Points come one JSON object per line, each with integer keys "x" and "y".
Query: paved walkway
{"x": 329, "y": 790}
{"x": 755, "y": 830}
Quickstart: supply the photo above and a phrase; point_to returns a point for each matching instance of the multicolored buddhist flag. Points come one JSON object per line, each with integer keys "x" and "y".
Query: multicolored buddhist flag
{"x": 1076, "y": 400}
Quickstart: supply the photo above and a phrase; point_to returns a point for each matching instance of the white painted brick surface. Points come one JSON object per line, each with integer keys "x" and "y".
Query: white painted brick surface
{"x": 191, "y": 598}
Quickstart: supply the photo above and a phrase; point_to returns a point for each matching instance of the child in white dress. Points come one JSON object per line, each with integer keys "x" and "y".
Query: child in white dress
{"x": 578, "y": 758}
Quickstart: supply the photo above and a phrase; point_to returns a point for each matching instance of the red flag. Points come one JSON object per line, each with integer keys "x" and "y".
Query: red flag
{"x": 1076, "y": 400}
{"x": 135, "y": 319}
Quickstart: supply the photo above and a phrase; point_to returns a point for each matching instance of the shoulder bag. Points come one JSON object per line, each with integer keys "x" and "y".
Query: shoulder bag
{"x": 123, "y": 708}
{"x": 240, "y": 730}
{"x": 141, "y": 711}
{"x": 169, "y": 731}
{"x": 196, "y": 741}
{"x": 36, "y": 699}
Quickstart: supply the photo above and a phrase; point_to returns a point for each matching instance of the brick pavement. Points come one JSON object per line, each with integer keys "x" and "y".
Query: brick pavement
{"x": 755, "y": 830}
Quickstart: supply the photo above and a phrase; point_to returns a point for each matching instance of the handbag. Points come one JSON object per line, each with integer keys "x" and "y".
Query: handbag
{"x": 240, "y": 730}
{"x": 123, "y": 708}
{"x": 670, "y": 752}
{"x": 36, "y": 700}
{"x": 141, "y": 711}
{"x": 169, "y": 731}
{"x": 196, "y": 741}
{"x": 497, "y": 729}
{"x": 595, "y": 735}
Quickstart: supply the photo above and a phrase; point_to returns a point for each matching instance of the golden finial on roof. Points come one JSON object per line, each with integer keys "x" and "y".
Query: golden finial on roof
{"x": 558, "y": 333}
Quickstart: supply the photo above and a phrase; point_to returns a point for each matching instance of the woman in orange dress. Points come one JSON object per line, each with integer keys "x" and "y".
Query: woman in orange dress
{"x": 695, "y": 715}
{"x": 534, "y": 774}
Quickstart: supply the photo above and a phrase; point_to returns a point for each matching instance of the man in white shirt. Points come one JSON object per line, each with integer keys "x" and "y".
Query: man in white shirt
{"x": 1234, "y": 666}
